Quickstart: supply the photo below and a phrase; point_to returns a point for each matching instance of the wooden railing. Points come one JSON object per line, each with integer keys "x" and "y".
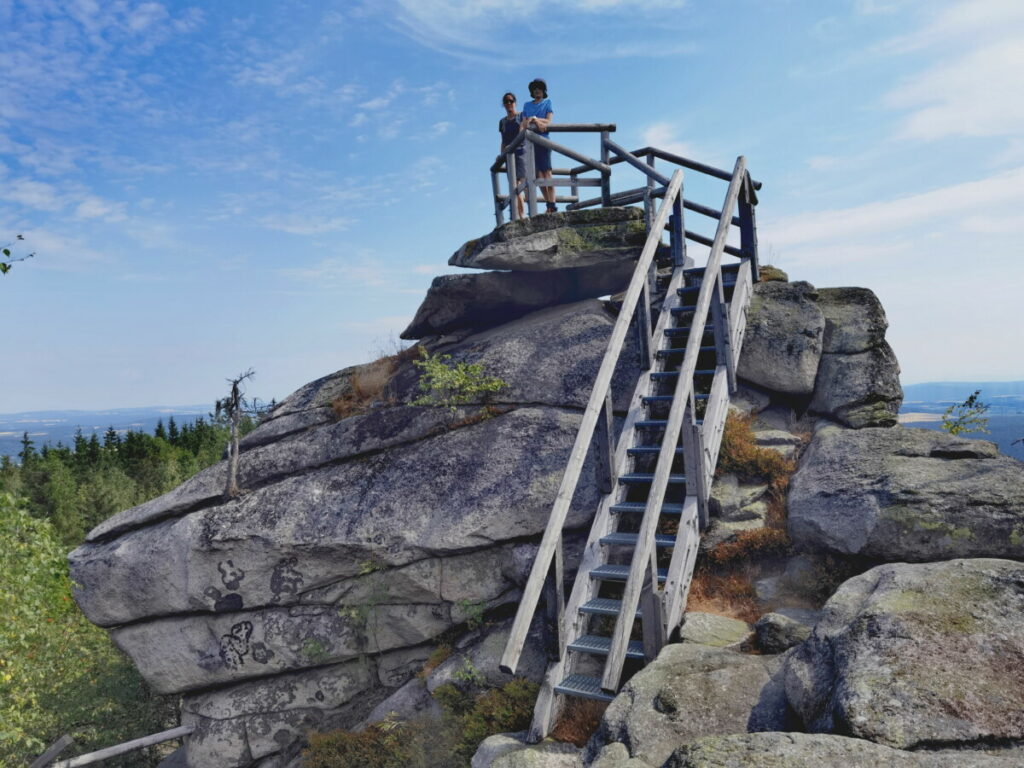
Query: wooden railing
{"x": 46, "y": 760}
{"x": 701, "y": 441}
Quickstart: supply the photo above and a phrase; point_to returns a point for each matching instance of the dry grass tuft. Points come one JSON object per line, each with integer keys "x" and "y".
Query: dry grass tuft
{"x": 579, "y": 720}
{"x": 435, "y": 660}
{"x": 768, "y": 273}
{"x": 741, "y": 455}
{"x": 725, "y": 593}
{"x": 749, "y": 545}
{"x": 368, "y": 383}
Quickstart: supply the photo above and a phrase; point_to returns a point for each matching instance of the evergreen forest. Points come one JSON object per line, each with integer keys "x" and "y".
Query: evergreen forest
{"x": 58, "y": 672}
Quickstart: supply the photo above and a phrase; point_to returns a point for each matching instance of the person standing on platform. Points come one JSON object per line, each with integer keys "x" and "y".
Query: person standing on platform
{"x": 508, "y": 127}
{"x": 537, "y": 116}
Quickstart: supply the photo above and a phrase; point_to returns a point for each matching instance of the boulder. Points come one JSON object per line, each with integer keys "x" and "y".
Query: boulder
{"x": 561, "y": 248}
{"x": 548, "y": 357}
{"x": 488, "y": 299}
{"x": 238, "y": 725}
{"x": 783, "y": 339}
{"x": 732, "y": 500}
{"x": 777, "y": 633}
{"x": 854, "y": 320}
{"x": 574, "y": 233}
{"x": 905, "y": 494}
{"x": 453, "y": 494}
{"x": 861, "y": 389}
{"x": 805, "y": 750}
{"x": 713, "y": 630}
{"x": 690, "y": 691}
{"x": 511, "y": 750}
{"x": 917, "y": 655}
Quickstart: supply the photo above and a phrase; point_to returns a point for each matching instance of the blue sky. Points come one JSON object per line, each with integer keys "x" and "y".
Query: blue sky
{"x": 218, "y": 185}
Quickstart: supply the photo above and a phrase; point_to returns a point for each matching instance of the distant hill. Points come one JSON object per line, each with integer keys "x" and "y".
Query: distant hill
{"x": 956, "y": 391}
{"x": 60, "y": 426}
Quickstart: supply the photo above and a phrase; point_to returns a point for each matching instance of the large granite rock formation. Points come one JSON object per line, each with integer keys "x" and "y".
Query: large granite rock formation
{"x": 313, "y": 599}
{"x": 913, "y": 656}
{"x": 906, "y": 494}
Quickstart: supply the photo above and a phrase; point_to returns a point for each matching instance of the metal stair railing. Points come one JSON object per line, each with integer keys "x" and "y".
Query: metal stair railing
{"x": 682, "y": 408}
{"x": 598, "y": 405}
{"x": 660, "y": 611}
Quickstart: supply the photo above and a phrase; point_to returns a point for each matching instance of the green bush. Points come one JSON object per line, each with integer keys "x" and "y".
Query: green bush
{"x": 449, "y": 385}
{"x": 426, "y": 743}
{"x": 59, "y": 673}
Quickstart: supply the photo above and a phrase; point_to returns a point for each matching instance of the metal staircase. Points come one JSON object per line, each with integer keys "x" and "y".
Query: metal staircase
{"x": 630, "y": 591}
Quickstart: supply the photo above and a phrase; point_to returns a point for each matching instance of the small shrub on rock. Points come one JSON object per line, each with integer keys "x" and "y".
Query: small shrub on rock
{"x": 449, "y": 386}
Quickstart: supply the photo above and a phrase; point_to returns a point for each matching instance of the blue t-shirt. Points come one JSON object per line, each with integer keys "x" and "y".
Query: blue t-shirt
{"x": 538, "y": 110}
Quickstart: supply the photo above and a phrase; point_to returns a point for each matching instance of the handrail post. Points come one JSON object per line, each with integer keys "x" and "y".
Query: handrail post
{"x": 554, "y": 605}
{"x": 643, "y": 327}
{"x": 605, "y": 436}
{"x": 652, "y": 613}
{"x": 723, "y": 333}
{"x": 531, "y": 178}
{"x": 513, "y": 182}
{"x": 648, "y": 200}
{"x": 606, "y": 178}
{"x": 499, "y": 216}
{"x": 574, "y": 189}
{"x": 748, "y": 226}
{"x": 677, "y": 237}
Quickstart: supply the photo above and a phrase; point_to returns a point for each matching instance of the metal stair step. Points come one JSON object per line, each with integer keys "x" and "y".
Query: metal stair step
{"x": 669, "y": 375}
{"x": 649, "y": 450}
{"x": 608, "y": 572}
{"x": 641, "y": 478}
{"x": 683, "y": 331}
{"x": 727, "y": 269}
{"x": 604, "y": 606}
{"x": 660, "y": 539}
{"x": 677, "y": 351}
{"x": 638, "y": 507}
{"x": 656, "y": 423}
{"x": 600, "y": 646}
{"x": 583, "y": 686}
{"x": 652, "y": 399}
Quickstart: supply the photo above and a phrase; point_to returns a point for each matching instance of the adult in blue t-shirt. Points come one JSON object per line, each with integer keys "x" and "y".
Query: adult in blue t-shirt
{"x": 537, "y": 116}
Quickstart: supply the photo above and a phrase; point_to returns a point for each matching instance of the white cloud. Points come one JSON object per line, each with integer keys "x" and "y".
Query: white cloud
{"x": 663, "y": 136}
{"x": 378, "y": 103}
{"x": 93, "y": 207}
{"x": 973, "y": 88}
{"x": 298, "y": 224}
{"x": 34, "y": 194}
{"x": 950, "y": 205}
{"x": 337, "y": 272}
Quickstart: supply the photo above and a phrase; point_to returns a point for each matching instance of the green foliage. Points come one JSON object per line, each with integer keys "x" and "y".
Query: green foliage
{"x": 474, "y": 611}
{"x": 469, "y": 675}
{"x": 450, "y": 385}
{"x": 968, "y": 416}
{"x": 77, "y": 487}
{"x": 59, "y": 673}
{"x": 425, "y": 743}
{"x": 9, "y": 259}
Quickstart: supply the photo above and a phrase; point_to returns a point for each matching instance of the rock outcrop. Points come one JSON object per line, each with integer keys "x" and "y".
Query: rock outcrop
{"x": 913, "y": 656}
{"x": 314, "y": 599}
{"x": 906, "y": 494}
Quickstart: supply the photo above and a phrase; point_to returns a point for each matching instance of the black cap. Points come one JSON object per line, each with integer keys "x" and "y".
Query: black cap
{"x": 541, "y": 83}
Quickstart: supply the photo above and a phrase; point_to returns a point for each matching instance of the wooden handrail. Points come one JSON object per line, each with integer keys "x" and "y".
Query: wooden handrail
{"x": 128, "y": 746}
{"x": 602, "y": 383}
{"x": 680, "y": 401}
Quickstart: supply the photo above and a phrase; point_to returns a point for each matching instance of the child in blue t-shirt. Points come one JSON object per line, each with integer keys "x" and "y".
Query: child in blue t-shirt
{"x": 537, "y": 116}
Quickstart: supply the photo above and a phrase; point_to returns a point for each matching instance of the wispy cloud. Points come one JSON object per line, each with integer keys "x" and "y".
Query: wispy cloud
{"x": 475, "y": 30}
{"x": 972, "y": 88}
{"x": 812, "y": 237}
{"x": 297, "y": 224}
{"x": 663, "y": 136}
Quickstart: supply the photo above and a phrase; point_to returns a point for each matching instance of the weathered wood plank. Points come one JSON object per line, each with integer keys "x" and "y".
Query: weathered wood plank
{"x": 680, "y": 567}
{"x": 496, "y": 187}
{"x": 731, "y": 250}
{"x": 536, "y": 138}
{"x": 636, "y": 162}
{"x": 748, "y": 227}
{"x": 643, "y": 328}
{"x": 568, "y": 183}
{"x": 738, "y": 308}
{"x": 723, "y": 333}
{"x": 531, "y": 179}
{"x": 663, "y": 468}
{"x": 606, "y": 173}
{"x": 626, "y": 197}
{"x": 554, "y": 607}
{"x": 582, "y": 127}
{"x": 128, "y": 746}
{"x": 604, "y": 434}
{"x": 52, "y": 751}
{"x": 652, "y": 620}
{"x": 552, "y": 533}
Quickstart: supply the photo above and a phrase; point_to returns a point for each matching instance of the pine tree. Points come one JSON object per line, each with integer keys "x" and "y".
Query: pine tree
{"x": 111, "y": 440}
{"x": 27, "y": 452}
{"x": 160, "y": 432}
{"x": 172, "y": 431}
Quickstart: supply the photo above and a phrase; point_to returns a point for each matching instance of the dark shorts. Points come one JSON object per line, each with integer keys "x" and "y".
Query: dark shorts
{"x": 520, "y": 168}
{"x": 541, "y": 158}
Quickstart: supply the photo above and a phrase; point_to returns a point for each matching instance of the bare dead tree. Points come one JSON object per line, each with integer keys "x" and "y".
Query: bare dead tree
{"x": 233, "y": 407}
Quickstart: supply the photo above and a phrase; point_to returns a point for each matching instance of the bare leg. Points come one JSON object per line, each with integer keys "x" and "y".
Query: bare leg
{"x": 547, "y": 192}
